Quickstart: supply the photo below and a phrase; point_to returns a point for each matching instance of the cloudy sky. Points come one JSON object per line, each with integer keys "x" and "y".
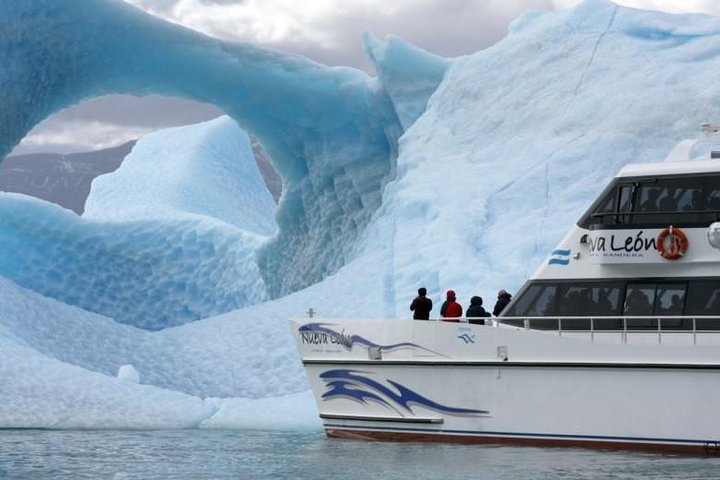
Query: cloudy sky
{"x": 328, "y": 31}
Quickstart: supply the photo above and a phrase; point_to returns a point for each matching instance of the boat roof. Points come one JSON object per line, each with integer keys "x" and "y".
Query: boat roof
{"x": 670, "y": 168}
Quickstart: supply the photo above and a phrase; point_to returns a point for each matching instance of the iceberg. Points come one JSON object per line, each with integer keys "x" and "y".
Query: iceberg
{"x": 444, "y": 173}
{"x": 205, "y": 170}
{"x": 151, "y": 250}
{"x": 330, "y": 131}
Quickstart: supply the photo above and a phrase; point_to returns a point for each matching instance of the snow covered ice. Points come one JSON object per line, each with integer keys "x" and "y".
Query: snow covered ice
{"x": 446, "y": 173}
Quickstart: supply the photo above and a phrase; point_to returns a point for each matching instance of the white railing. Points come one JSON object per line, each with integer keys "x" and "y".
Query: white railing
{"x": 661, "y": 325}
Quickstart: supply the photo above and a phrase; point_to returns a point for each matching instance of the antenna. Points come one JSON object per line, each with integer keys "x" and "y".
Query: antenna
{"x": 710, "y": 128}
{"x": 683, "y": 150}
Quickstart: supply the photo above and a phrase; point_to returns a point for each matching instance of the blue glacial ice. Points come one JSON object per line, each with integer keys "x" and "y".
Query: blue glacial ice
{"x": 500, "y": 153}
{"x": 152, "y": 250}
{"x": 147, "y": 273}
{"x": 205, "y": 170}
{"x": 330, "y": 131}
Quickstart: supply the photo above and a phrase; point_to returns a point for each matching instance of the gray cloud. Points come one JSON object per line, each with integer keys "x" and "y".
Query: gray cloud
{"x": 327, "y": 32}
{"x": 111, "y": 120}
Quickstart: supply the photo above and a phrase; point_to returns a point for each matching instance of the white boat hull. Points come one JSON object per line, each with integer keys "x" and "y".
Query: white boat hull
{"x": 441, "y": 381}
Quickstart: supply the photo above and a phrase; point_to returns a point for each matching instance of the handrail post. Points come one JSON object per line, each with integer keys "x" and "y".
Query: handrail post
{"x": 592, "y": 330}
{"x": 526, "y": 323}
{"x": 659, "y": 320}
{"x": 559, "y": 326}
{"x": 694, "y": 331}
{"x": 624, "y": 334}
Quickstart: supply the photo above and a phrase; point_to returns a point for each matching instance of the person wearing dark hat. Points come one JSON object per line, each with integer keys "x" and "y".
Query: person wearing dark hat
{"x": 451, "y": 310}
{"x": 502, "y": 302}
{"x": 475, "y": 312}
{"x": 421, "y": 305}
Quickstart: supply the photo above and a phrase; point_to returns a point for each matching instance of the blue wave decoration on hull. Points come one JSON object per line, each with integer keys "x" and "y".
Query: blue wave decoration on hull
{"x": 348, "y": 341}
{"x": 351, "y": 384}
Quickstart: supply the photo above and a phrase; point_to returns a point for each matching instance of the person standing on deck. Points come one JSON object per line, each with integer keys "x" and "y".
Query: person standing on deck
{"x": 502, "y": 302}
{"x": 476, "y": 313}
{"x": 421, "y": 305}
{"x": 451, "y": 310}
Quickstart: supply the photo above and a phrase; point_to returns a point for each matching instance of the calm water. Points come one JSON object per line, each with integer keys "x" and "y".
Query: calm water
{"x": 202, "y": 454}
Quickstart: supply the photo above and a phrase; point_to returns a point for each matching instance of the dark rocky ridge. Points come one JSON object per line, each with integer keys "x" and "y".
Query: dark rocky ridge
{"x": 66, "y": 179}
{"x": 61, "y": 179}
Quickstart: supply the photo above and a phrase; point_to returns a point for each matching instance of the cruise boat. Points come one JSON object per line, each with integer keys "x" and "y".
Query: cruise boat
{"x": 614, "y": 342}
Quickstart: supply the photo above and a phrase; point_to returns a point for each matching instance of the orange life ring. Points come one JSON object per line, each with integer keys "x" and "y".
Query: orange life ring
{"x": 677, "y": 243}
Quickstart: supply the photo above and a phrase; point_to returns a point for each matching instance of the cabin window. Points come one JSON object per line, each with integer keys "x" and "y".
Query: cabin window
{"x": 622, "y": 197}
{"x": 657, "y": 202}
{"x": 583, "y": 300}
{"x": 625, "y": 198}
{"x": 704, "y": 299}
{"x": 645, "y": 301}
{"x": 538, "y": 301}
{"x": 712, "y": 201}
{"x": 522, "y": 302}
{"x": 649, "y": 301}
{"x": 639, "y": 300}
{"x": 669, "y": 300}
{"x": 568, "y": 300}
{"x": 615, "y": 199}
{"x": 670, "y": 201}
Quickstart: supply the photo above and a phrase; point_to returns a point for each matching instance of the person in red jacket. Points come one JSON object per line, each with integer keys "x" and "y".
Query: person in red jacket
{"x": 451, "y": 310}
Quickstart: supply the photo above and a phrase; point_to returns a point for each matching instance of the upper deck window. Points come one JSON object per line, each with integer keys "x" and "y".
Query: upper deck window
{"x": 690, "y": 200}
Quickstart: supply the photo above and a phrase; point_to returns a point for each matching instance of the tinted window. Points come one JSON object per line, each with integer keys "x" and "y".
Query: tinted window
{"x": 639, "y": 300}
{"x": 669, "y": 299}
{"x": 544, "y": 304}
{"x": 691, "y": 200}
{"x": 649, "y": 199}
{"x": 523, "y": 301}
{"x": 608, "y": 204}
{"x": 622, "y": 197}
{"x": 568, "y": 300}
{"x": 603, "y": 207}
{"x": 712, "y": 195}
{"x": 704, "y": 298}
{"x": 643, "y": 302}
{"x": 661, "y": 201}
{"x": 536, "y": 301}
{"x": 585, "y": 300}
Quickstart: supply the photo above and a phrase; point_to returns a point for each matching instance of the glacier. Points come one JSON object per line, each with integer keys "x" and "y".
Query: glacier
{"x": 446, "y": 173}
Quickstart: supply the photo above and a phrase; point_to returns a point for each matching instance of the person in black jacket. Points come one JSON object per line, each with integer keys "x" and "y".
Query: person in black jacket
{"x": 421, "y": 305}
{"x": 475, "y": 312}
{"x": 502, "y": 301}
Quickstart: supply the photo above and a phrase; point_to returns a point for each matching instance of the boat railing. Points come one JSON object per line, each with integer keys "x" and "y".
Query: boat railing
{"x": 629, "y": 325}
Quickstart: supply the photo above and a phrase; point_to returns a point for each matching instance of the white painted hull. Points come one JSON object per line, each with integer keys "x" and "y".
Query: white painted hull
{"x": 552, "y": 389}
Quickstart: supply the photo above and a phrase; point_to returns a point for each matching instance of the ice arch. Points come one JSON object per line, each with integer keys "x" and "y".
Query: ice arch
{"x": 332, "y": 132}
